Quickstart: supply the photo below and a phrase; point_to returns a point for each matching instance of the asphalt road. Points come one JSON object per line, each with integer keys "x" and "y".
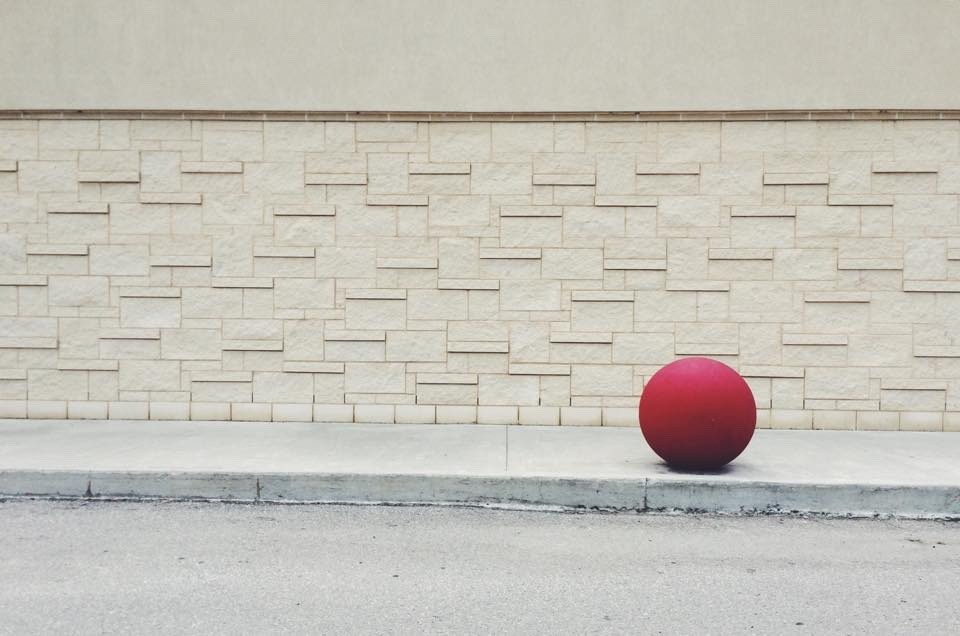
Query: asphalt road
{"x": 131, "y": 568}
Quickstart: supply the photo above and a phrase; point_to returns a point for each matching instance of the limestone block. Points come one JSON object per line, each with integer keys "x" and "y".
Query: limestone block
{"x": 529, "y": 342}
{"x": 190, "y": 344}
{"x": 233, "y": 209}
{"x": 109, "y": 161}
{"x": 951, "y": 422}
{"x": 302, "y": 339}
{"x": 136, "y": 218}
{"x": 532, "y": 295}
{"x": 786, "y": 393}
{"x": 328, "y": 388}
{"x": 292, "y": 412}
{"x": 925, "y": 259}
{"x": 18, "y": 208}
{"x": 119, "y": 260}
{"x": 13, "y": 254}
{"x": 75, "y": 134}
{"x": 598, "y": 380}
{"x": 365, "y": 221}
{"x": 665, "y": 306}
{"x": 209, "y": 411}
{"x": 211, "y": 303}
{"x": 912, "y": 213}
{"x": 619, "y": 416}
{"x": 332, "y": 412}
{"x": 366, "y": 377}
{"x": 47, "y": 409}
{"x": 416, "y": 346}
{"x": 247, "y": 412}
{"x": 375, "y": 314}
{"x": 457, "y": 211}
{"x": 643, "y": 348}
{"x": 52, "y": 384}
{"x": 539, "y": 416}
{"x": 79, "y": 291}
{"x": 283, "y": 387}
{"x": 616, "y": 173}
{"x": 752, "y": 136}
{"x": 221, "y": 391}
{"x": 13, "y": 409}
{"x": 159, "y": 171}
{"x": 447, "y": 394}
{"x": 804, "y": 264}
{"x": 835, "y": 420}
{"x": 688, "y": 141}
{"x": 509, "y": 390}
{"x": 912, "y": 400}
{"x": 303, "y": 293}
{"x": 740, "y": 178}
{"x": 222, "y": 143}
{"x": 47, "y": 176}
{"x": 81, "y": 410}
{"x": 18, "y": 144}
{"x": 387, "y": 174}
{"x": 921, "y": 421}
{"x": 588, "y": 226}
{"x": 572, "y": 264}
{"x": 304, "y": 230}
{"x": 687, "y": 259}
{"x": 286, "y": 141}
{"x": 374, "y": 413}
{"x": 460, "y": 141}
{"x": 426, "y": 184}
{"x": 522, "y": 138}
{"x": 850, "y": 136}
{"x": 916, "y": 141}
{"x": 581, "y": 416}
{"x": 150, "y": 312}
{"x": 346, "y": 262}
{"x": 531, "y": 232}
{"x": 791, "y": 419}
{"x": 149, "y": 375}
{"x": 427, "y": 304}
{"x": 878, "y": 421}
{"x": 415, "y": 414}
{"x": 602, "y": 316}
{"x": 355, "y": 351}
{"x": 887, "y": 350}
{"x": 273, "y": 177}
{"x": 837, "y": 383}
{"x": 501, "y": 178}
{"x": 828, "y": 221}
{"x": 762, "y": 232}
{"x": 497, "y": 415}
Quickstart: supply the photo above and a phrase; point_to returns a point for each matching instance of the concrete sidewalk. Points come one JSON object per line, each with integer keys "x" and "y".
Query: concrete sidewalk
{"x": 833, "y": 472}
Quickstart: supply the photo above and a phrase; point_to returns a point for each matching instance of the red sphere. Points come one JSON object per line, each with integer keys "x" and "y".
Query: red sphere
{"x": 697, "y": 413}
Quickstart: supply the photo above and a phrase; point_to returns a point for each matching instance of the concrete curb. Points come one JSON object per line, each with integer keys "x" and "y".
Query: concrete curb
{"x": 564, "y": 493}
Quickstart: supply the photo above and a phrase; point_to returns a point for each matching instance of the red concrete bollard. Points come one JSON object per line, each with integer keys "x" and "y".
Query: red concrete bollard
{"x": 697, "y": 414}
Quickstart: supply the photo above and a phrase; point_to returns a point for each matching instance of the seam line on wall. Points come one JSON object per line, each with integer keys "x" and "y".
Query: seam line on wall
{"x": 429, "y": 116}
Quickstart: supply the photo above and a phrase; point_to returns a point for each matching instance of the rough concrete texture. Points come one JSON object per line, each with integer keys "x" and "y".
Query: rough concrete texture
{"x": 227, "y": 569}
{"x": 831, "y": 472}
{"x": 500, "y": 55}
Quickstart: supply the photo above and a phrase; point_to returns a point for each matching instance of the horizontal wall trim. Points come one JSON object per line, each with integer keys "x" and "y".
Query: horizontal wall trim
{"x": 355, "y": 116}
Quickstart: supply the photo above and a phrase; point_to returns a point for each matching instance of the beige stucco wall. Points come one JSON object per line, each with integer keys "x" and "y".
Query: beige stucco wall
{"x": 532, "y": 273}
{"x": 494, "y": 55}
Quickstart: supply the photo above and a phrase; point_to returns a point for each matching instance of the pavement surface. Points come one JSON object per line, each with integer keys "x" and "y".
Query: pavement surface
{"x": 831, "y": 472}
{"x": 152, "y": 567}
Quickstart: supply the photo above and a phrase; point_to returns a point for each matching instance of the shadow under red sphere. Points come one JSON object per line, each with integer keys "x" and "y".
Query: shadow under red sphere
{"x": 697, "y": 414}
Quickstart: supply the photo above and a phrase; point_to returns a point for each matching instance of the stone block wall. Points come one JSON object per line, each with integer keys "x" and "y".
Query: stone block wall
{"x": 477, "y": 271}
